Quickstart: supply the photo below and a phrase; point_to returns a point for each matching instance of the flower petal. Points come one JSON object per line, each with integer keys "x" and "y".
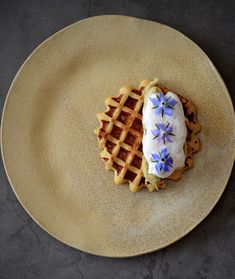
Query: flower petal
{"x": 169, "y": 129}
{"x": 168, "y": 111}
{"x": 159, "y": 139}
{"x": 169, "y": 160}
{"x": 155, "y": 132}
{"x": 155, "y": 101}
{"x": 168, "y": 138}
{"x": 166, "y": 168}
{"x": 164, "y": 152}
{"x": 172, "y": 102}
{"x": 162, "y": 98}
{"x": 162, "y": 126}
{"x": 159, "y": 110}
{"x": 155, "y": 157}
{"x": 158, "y": 167}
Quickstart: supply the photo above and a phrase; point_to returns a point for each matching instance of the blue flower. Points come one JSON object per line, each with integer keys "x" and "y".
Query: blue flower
{"x": 163, "y": 160}
{"x": 163, "y": 132}
{"x": 163, "y": 105}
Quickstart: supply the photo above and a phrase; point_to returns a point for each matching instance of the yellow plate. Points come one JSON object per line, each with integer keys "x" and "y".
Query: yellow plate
{"x": 51, "y": 153}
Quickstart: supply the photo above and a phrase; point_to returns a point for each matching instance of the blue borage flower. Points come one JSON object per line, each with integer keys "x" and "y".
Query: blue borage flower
{"x": 163, "y": 105}
{"x": 163, "y": 132}
{"x": 163, "y": 160}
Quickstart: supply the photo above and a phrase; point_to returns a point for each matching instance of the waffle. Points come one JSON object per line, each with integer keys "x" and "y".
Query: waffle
{"x": 120, "y": 137}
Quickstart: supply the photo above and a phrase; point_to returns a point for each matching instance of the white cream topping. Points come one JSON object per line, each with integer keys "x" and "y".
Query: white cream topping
{"x": 174, "y": 143}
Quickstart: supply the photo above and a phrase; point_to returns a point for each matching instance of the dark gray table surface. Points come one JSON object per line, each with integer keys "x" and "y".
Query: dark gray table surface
{"x": 26, "y": 251}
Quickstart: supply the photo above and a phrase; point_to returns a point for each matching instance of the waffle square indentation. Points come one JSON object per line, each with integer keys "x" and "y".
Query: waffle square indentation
{"x": 137, "y": 125}
{"x": 136, "y": 162}
{"x": 117, "y": 167}
{"x": 104, "y": 125}
{"x": 116, "y": 132}
{"x": 136, "y": 91}
{"x": 130, "y": 102}
{"x": 124, "y": 117}
{"x": 111, "y": 111}
{"x": 110, "y": 146}
{"x": 141, "y": 110}
{"x": 129, "y": 175}
{"x": 117, "y": 99}
{"x": 123, "y": 154}
{"x": 130, "y": 139}
{"x": 140, "y": 147}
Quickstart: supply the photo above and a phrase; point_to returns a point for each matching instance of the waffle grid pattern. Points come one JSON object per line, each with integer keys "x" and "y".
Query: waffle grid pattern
{"x": 121, "y": 135}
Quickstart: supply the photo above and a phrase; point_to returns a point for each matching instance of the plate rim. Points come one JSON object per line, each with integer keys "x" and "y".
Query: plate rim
{"x": 3, "y": 152}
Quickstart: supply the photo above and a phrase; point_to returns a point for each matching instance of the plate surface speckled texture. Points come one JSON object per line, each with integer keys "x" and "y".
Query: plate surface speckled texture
{"x": 51, "y": 154}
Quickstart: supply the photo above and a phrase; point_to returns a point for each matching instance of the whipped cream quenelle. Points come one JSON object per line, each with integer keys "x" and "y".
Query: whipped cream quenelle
{"x": 164, "y": 133}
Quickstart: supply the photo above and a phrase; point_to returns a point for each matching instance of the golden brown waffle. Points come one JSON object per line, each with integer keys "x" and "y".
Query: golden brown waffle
{"x": 120, "y": 136}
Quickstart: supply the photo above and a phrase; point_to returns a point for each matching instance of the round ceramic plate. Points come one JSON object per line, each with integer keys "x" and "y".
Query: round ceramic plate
{"x": 51, "y": 153}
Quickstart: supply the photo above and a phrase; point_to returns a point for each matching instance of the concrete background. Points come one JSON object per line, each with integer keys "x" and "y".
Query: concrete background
{"x": 26, "y": 251}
